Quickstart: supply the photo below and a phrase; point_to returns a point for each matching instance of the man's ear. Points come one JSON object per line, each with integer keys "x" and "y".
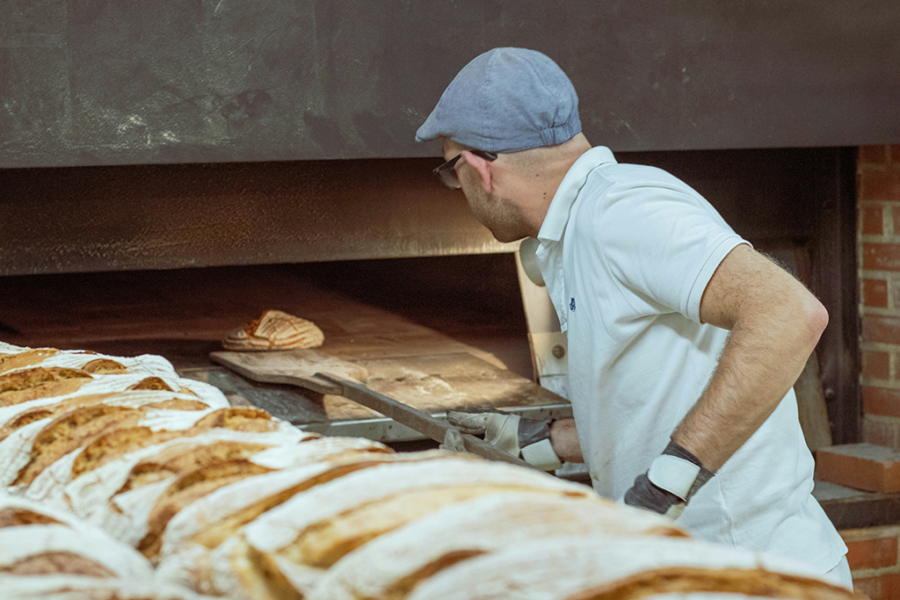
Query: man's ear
{"x": 482, "y": 166}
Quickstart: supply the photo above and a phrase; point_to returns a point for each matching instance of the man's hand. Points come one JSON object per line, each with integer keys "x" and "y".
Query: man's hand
{"x": 515, "y": 435}
{"x": 673, "y": 478}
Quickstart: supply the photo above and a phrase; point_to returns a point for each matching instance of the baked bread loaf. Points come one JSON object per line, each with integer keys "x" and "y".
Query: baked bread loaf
{"x": 88, "y": 496}
{"x": 59, "y": 549}
{"x": 220, "y": 514}
{"x": 156, "y": 426}
{"x": 26, "y": 358}
{"x": 62, "y": 587}
{"x": 275, "y": 330}
{"x": 35, "y": 540}
{"x": 209, "y": 522}
{"x": 579, "y": 568}
{"x": 34, "y": 383}
{"x": 291, "y": 546}
{"x": 392, "y": 565}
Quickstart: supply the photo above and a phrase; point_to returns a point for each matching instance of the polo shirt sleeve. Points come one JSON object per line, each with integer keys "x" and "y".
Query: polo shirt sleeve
{"x": 662, "y": 242}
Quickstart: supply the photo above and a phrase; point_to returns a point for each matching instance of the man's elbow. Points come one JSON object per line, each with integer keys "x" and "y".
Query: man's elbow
{"x": 814, "y": 319}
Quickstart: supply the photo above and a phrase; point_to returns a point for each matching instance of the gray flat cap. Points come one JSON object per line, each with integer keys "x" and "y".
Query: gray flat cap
{"x": 506, "y": 100}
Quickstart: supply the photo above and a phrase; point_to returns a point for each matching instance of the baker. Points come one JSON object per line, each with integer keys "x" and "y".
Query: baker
{"x": 684, "y": 342}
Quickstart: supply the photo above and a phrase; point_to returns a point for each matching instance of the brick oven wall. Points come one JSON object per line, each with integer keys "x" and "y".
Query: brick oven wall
{"x": 878, "y": 202}
{"x": 873, "y": 552}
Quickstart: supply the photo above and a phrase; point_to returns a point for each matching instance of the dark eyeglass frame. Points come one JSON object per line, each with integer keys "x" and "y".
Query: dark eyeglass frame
{"x": 446, "y": 173}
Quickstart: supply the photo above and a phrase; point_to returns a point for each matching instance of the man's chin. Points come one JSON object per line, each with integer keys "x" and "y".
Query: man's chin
{"x": 506, "y": 237}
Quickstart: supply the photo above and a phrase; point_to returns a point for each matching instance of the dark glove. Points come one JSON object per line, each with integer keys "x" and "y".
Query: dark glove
{"x": 673, "y": 478}
{"x": 515, "y": 435}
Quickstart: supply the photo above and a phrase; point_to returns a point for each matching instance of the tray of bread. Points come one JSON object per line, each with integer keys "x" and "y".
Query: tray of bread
{"x": 124, "y": 481}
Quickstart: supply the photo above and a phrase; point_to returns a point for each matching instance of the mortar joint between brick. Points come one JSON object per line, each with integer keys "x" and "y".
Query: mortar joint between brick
{"x": 878, "y": 347}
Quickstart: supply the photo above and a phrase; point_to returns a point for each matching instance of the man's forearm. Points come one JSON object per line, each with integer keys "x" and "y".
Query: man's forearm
{"x": 761, "y": 361}
{"x": 564, "y": 439}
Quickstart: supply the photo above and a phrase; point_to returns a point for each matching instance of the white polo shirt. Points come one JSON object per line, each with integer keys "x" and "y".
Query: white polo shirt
{"x": 627, "y": 251}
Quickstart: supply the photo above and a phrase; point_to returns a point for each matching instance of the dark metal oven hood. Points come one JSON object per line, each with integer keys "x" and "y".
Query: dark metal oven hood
{"x": 100, "y": 83}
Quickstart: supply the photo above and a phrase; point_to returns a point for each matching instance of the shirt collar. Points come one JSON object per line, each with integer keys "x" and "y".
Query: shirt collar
{"x": 558, "y": 214}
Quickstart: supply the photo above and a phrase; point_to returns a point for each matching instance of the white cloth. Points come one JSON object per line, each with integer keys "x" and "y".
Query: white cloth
{"x": 841, "y": 575}
{"x": 627, "y": 252}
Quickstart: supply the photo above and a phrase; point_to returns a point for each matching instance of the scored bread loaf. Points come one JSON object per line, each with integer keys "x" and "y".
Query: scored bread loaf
{"x": 156, "y": 427}
{"x": 202, "y": 527}
{"x": 61, "y": 549}
{"x": 28, "y": 358}
{"x": 390, "y": 566}
{"x": 579, "y": 568}
{"x": 70, "y": 431}
{"x": 290, "y": 546}
{"x": 275, "y": 330}
{"x": 30, "y": 413}
{"x": 47, "y": 372}
{"x": 62, "y": 587}
{"x": 204, "y": 469}
{"x": 15, "y": 416}
{"x": 16, "y": 511}
{"x": 35, "y": 540}
{"x": 218, "y": 515}
{"x": 34, "y": 383}
{"x": 78, "y": 427}
{"x": 92, "y": 490}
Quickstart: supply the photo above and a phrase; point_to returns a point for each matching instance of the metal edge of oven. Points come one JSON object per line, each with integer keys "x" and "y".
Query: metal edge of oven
{"x": 387, "y": 430}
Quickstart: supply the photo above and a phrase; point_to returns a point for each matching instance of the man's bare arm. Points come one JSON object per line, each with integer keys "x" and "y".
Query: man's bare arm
{"x": 775, "y": 323}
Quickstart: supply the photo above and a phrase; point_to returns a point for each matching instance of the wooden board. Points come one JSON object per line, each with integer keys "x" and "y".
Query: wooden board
{"x": 292, "y": 367}
{"x": 433, "y": 384}
{"x": 811, "y": 406}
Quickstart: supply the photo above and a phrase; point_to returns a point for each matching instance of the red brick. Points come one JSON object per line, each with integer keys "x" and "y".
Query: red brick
{"x": 872, "y": 554}
{"x": 881, "y": 328}
{"x": 877, "y": 185}
{"x": 881, "y": 431}
{"x": 872, "y": 219}
{"x": 876, "y": 365}
{"x": 895, "y": 155}
{"x": 875, "y": 293}
{"x": 881, "y": 257}
{"x": 881, "y": 401}
{"x": 881, "y": 587}
{"x": 860, "y": 466}
{"x": 873, "y": 154}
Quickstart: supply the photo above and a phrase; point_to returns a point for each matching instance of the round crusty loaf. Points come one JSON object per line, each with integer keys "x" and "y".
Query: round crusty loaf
{"x": 63, "y": 587}
{"x": 219, "y": 514}
{"x": 579, "y": 568}
{"x": 295, "y": 543}
{"x": 61, "y": 549}
{"x": 390, "y": 566}
{"x": 275, "y": 330}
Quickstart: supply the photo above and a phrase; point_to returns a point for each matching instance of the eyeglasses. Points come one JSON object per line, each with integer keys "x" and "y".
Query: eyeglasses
{"x": 447, "y": 172}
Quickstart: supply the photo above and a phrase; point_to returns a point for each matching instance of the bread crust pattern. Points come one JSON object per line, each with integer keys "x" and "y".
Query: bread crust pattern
{"x": 275, "y": 330}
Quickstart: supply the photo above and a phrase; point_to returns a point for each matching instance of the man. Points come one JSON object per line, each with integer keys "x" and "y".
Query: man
{"x": 684, "y": 342}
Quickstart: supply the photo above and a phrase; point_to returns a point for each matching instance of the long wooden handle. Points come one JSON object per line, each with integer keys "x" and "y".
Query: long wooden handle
{"x": 416, "y": 419}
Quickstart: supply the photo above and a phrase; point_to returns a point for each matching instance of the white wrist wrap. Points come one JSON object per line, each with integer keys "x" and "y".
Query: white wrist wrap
{"x": 673, "y": 474}
{"x": 542, "y": 456}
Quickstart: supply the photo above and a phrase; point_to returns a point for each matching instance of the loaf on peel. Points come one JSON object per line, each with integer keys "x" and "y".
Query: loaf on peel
{"x": 275, "y": 330}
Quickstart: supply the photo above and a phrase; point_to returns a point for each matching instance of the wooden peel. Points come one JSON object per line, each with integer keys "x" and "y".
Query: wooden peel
{"x": 291, "y": 367}
{"x": 327, "y": 374}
